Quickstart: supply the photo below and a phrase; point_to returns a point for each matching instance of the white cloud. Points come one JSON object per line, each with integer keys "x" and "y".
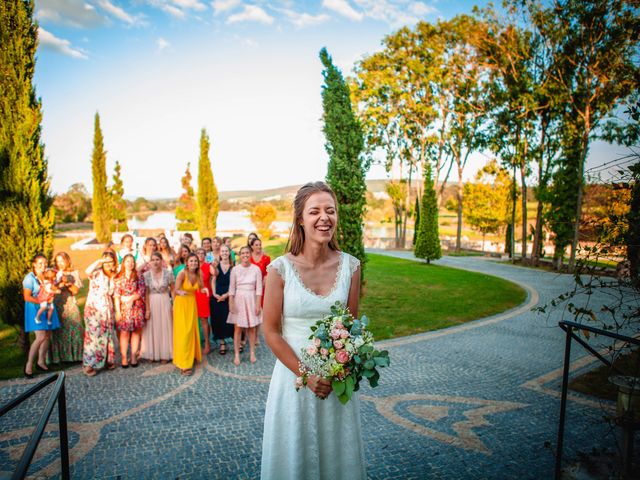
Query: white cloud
{"x": 162, "y": 44}
{"x": 396, "y": 12}
{"x": 224, "y": 5}
{"x": 116, "y": 11}
{"x": 190, "y": 5}
{"x": 301, "y": 20}
{"x": 73, "y": 13}
{"x": 251, "y": 13}
{"x": 49, "y": 41}
{"x": 173, "y": 11}
{"x": 343, "y": 8}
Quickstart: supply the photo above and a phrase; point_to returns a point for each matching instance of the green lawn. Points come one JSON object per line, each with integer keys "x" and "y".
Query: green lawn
{"x": 401, "y": 297}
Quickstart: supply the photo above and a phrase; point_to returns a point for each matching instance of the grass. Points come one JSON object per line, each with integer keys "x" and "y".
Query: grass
{"x": 401, "y": 297}
{"x": 404, "y": 297}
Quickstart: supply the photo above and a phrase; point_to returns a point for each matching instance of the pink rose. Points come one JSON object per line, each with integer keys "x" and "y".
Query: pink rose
{"x": 344, "y": 334}
{"x": 339, "y": 325}
{"x": 312, "y": 350}
{"x": 324, "y": 352}
{"x": 338, "y": 344}
{"x": 299, "y": 383}
{"x": 342, "y": 356}
{"x": 316, "y": 342}
{"x": 335, "y": 334}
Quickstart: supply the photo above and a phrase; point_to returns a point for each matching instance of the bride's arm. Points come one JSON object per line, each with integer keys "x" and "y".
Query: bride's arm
{"x": 272, "y": 328}
{"x": 353, "y": 302}
{"x": 272, "y": 322}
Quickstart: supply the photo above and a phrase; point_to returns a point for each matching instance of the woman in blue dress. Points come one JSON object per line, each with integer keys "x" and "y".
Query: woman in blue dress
{"x": 30, "y": 287}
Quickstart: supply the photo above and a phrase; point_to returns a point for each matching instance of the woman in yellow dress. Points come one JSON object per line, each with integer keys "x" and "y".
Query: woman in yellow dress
{"x": 186, "y": 336}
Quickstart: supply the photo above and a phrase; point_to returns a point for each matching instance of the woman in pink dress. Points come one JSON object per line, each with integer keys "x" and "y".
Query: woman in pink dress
{"x": 245, "y": 292}
{"x": 157, "y": 335}
{"x": 129, "y": 295}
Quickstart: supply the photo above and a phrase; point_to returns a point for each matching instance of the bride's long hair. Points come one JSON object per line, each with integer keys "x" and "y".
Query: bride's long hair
{"x": 296, "y": 235}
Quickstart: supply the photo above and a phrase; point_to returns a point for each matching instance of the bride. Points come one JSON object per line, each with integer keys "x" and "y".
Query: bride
{"x": 309, "y": 434}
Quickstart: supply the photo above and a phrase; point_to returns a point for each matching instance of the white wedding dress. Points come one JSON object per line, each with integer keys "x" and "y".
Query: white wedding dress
{"x": 306, "y": 437}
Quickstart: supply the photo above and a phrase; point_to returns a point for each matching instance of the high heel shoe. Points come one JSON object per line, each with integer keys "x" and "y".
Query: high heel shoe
{"x": 42, "y": 369}
{"x": 27, "y": 375}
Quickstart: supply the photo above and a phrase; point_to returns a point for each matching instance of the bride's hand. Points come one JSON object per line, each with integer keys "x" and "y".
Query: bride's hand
{"x": 320, "y": 386}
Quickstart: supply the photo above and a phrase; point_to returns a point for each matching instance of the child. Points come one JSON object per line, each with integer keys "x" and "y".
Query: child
{"x": 45, "y": 295}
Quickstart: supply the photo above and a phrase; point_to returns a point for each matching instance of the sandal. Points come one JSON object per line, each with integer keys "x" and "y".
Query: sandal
{"x": 187, "y": 373}
{"x": 111, "y": 366}
{"x": 90, "y": 372}
{"x": 125, "y": 366}
{"x": 134, "y": 365}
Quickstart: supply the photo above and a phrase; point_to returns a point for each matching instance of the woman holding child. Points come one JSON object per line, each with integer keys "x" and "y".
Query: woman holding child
{"x": 43, "y": 326}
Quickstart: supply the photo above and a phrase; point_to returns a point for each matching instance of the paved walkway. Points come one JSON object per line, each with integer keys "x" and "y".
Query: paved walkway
{"x": 480, "y": 400}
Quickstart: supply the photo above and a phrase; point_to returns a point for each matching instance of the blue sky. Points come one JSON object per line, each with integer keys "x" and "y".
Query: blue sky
{"x": 158, "y": 71}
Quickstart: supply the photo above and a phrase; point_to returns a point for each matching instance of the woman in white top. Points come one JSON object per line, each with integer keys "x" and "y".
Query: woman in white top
{"x": 309, "y": 434}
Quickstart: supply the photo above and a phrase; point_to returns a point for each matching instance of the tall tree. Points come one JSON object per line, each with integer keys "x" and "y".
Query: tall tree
{"x": 597, "y": 70}
{"x": 117, "y": 202}
{"x": 186, "y": 209}
{"x": 394, "y": 96}
{"x": 26, "y": 211}
{"x": 428, "y": 239}
{"x": 100, "y": 204}
{"x": 207, "y": 192}
{"x": 346, "y": 170}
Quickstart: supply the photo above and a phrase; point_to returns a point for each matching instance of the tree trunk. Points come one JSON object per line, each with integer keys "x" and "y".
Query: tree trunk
{"x": 513, "y": 216}
{"x": 576, "y": 227}
{"x": 23, "y": 340}
{"x": 523, "y": 182}
{"x": 537, "y": 236}
{"x": 459, "y": 193}
{"x": 483, "y": 235}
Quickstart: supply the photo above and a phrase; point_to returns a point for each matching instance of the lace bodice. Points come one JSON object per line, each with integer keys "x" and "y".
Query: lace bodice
{"x": 163, "y": 286}
{"x": 302, "y": 307}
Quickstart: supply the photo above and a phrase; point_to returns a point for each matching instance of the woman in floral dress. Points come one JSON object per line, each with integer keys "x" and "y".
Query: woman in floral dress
{"x": 99, "y": 316}
{"x": 67, "y": 341}
{"x": 129, "y": 296}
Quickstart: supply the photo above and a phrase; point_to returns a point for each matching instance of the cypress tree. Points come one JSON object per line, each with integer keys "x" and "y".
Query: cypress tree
{"x": 26, "y": 206}
{"x": 346, "y": 170}
{"x": 118, "y": 205}
{"x": 186, "y": 208}
{"x": 101, "y": 210}
{"x": 207, "y": 191}
{"x": 428, "y": 241}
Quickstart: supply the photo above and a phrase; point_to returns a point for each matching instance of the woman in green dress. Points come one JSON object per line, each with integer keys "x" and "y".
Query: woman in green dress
{"x": 67, "y": 341}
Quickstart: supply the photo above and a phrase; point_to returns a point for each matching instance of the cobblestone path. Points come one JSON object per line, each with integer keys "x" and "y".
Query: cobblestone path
{"x": 477, "y": 401}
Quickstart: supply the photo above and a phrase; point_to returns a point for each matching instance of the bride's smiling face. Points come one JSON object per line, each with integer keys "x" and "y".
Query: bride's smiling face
{"x": 319, "y": 217}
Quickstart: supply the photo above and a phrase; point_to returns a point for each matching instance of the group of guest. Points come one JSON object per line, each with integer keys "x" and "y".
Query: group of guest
{"x": 159, "y": 302}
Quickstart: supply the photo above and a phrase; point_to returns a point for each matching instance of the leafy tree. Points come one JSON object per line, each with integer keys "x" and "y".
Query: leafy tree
{"x": 487, "y": 200}
{"x": 117, "y": 202}
{"x": 428, "y": 239}
{"x": 596, "y": 71}
{"x": 186, "y": 208}
{"x": 100, "y": 204}
{"x": 398, "y": 193}
{"x": 207, "y": 192}
{"x": 393, "y": 92}
{"x": 346, "y": 170}
{"x": 262, "y": 216}
{"x": 26, "y": 211}
{"x": 74, "y": 205}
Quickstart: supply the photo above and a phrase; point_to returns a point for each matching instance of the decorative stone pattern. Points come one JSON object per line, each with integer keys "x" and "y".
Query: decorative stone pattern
{"x": 472, "y": 402}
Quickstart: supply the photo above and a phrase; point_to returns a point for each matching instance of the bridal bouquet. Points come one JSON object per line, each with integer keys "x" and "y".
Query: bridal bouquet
{"x": 342, "y": 351}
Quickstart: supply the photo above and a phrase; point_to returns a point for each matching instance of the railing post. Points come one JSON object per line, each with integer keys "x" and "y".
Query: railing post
{"x": 563, "y": 401}
{"x": 64, "y": 436}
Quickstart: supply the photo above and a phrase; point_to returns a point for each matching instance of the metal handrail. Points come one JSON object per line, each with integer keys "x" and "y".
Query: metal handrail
{"x": 569, "y": 328}
{"x": 58, "y": 394}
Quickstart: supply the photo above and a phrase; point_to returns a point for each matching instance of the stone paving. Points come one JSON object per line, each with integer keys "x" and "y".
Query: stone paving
{"x": 477, "y": 401}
